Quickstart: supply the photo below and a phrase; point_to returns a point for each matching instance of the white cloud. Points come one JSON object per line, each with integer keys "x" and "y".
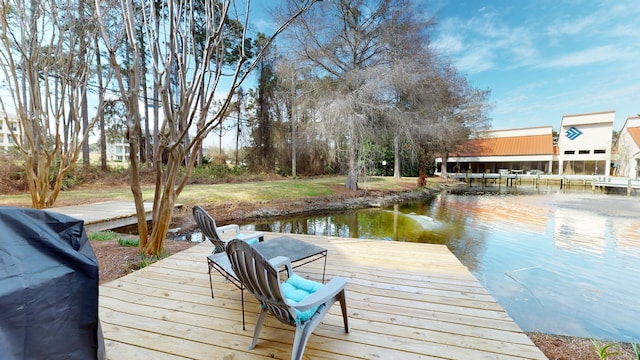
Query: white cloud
{"x": 479, "y": 42}
{"x": 594, "y": 55}
{"x": 449, "y": 43}
{"x": 476, "y": 61}
{"x": 545, "y": 60}
{"x": 561, "y": 27}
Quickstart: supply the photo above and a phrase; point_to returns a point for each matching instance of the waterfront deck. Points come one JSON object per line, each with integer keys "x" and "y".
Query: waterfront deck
{"x": 535, "y": 180}
{"x": 405, "y": 301}
{"x": 105, "y": 215}
{"x": 607, "y": 183}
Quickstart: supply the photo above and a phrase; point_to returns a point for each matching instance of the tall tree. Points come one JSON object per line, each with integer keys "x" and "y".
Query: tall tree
{"x": 46, "y": 62}
{"x": 262, "y": 154}
{"x": 286, "y": 90}
{"x": 178, "y": 69}
{"x": 458, "y": 115}
{"x": 384, "y": 86}
{"x": 346, "y": 41}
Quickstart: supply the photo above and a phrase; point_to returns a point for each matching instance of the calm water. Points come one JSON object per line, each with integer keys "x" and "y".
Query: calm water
{"x": 558, "y": 263}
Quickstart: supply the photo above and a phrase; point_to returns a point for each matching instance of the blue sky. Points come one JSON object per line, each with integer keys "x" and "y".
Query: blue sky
{"x": 545, "y": 59}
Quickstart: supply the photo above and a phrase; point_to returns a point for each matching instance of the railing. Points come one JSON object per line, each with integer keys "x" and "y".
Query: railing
{"x": 595, "y": 181}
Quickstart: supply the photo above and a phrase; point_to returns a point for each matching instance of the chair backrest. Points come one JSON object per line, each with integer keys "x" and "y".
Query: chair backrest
{"x": 260, "y": 278}
{"x": 208, "y": 228}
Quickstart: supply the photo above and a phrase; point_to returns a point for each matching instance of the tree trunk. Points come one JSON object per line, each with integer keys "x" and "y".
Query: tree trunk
{"x": 166, "y": 194}
{"x": 352, "y": 174}
{"x": 443, "y": 172}
{"x": 136, "y": 190}
{"x": 396, "y": 157}
{"x": 422, "y": 177}
{"x": 163, "y": 204}
{"x": 146, "y": 143}
{"x": 103, "y": 138}
{"x": 85, "y": 127}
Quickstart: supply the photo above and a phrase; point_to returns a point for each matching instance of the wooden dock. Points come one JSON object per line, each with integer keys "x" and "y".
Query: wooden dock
{"x": 405, "y": 301}
{"x": 607, "y": 183}
{"x": 537, "y": 180}
{"x": 104, "y": 215}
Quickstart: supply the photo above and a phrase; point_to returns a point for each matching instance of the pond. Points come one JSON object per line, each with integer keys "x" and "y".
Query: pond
{"x": 560, "y": 263}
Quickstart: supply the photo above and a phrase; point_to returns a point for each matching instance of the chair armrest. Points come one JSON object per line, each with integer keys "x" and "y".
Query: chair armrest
{"x": 328, "y": 291}
{"x": 279, "y": 261}
{"x": 229, "y": 227}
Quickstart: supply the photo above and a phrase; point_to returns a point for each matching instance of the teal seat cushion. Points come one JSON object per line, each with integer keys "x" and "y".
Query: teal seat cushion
{"x": 250, "y": 241}
{"x": 296, "y": 289}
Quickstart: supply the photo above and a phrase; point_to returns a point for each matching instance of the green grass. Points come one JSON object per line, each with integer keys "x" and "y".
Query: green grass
{"x": 602, "y": 349}
{"x": 144, "y": 261}
{"x": 197, "y": 194}
{"x": 103, "y": 236}
{"x": 209, "y": 193}
{"x": 128, "y": 242}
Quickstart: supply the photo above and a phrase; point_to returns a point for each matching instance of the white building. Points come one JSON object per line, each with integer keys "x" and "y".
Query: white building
{"x": 628, "y": 149}
{"x": 583, "y": 148}
{"x": 584, "y": 144}
{"x": 118, "y": 151}
{"x": 6, "y": 141}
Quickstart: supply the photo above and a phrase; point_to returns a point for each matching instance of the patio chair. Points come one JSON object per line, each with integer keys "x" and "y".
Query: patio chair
{"x": 218, "y": 259}
{"x": 212, "y": 232}
{"x": 297, "y": 301}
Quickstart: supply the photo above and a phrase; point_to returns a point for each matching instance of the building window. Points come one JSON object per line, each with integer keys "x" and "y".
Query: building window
{"x": 599, "y": 151}
{"x": 584, "y": 152}
{"x": 569, "y": 152}
{"x": 584, "y": 167}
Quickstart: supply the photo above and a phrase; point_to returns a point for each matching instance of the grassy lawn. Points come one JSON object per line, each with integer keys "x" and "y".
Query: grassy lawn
{"x": 193, "y": 194}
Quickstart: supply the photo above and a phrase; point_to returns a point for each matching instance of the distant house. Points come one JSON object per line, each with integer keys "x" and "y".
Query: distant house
{"x": 118, "y": 151}
{"x": 583, "y": 148}
{"x": 6, "y": 141}
{"x": 628, "y": 146}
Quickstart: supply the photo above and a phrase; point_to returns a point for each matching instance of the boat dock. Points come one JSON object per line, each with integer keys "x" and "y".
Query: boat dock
{"x": 536, "y": 180}
{"x": 404, "y": 300}
{"x": 603, "y": 184}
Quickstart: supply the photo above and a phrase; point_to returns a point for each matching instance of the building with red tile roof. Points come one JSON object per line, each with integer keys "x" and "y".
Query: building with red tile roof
{"x": 628, "y": 149}
{"x": 582, "y": 147}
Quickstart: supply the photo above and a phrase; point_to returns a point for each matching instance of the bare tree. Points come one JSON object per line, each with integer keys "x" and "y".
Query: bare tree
{"x": 262, "y": 154}
{"x": 297, "y": 103}
{"x": 349, "y": 43}
{"x": 383, "y": 86}
{"x": 239, "y": 104}
{"x": 46, "y": 62}
{"x": 178, "y": 70}
{"x": 459, "y": 114}
{"x": 286, "y": 91}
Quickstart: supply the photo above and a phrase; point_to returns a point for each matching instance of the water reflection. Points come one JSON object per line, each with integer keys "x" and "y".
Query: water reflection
{"x": 558, "y": 263}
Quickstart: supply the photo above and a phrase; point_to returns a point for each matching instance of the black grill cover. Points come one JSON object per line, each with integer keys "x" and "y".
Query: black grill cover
{"x": 48, "y": 287}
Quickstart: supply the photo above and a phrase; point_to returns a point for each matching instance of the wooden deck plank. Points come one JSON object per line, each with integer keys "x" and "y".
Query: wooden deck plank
{"x": 121, "y": 350}
{"x": 405, "y": 301}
